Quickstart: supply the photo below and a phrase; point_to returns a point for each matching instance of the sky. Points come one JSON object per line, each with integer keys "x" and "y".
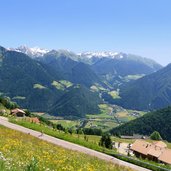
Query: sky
{"x": 141, "y": 27}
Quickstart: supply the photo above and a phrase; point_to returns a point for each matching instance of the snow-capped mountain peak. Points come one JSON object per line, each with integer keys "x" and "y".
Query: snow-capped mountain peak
{"x": 102, "y": 54}
{"x": 32, "y": 52}
{"x": 39, "y": 52}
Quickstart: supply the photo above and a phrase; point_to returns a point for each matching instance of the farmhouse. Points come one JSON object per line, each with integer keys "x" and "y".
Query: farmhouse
{"x": 156, "y": 151}
{"x": 18, "y": 112}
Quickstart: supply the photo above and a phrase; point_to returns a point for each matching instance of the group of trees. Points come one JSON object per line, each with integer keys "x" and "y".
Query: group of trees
{"x": 85, "y": 131}
{"x": 8, "y": 103}
{"x": 106, "y": 141}
{"x": 92, "y": 131}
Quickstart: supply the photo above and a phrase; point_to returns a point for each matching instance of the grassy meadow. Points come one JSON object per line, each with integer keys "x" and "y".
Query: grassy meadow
{"x": 22, "y": 152}
{"x": 92, "y": 142}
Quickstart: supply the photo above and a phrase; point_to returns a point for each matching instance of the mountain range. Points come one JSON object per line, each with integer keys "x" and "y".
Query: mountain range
{"x": 112, "y": 67}
{"x": 48, "y": 80}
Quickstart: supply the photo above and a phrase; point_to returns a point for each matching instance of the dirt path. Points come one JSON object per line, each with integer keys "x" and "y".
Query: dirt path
{"x": 68, "y": 145}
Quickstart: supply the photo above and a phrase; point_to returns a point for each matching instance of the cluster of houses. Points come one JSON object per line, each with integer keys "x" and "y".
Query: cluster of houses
{"x": 156, "y": 151}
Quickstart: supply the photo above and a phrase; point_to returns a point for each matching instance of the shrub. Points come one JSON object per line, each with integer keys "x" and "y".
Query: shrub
{"x": 106, "y": 141}
{"x": 155, "y": 136}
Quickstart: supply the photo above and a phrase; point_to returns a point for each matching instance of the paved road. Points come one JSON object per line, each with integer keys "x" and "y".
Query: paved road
{"x": 68, "y": 145}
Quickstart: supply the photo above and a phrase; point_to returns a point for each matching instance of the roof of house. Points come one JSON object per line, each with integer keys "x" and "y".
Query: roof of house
{"x": 16, "y": 110}
{"x": 157, "y": 149}
{"x": 127, "y": 137}
{"x": 134, "y": 136}
{"x": 166, "y": 156}
{"x": 141, "y": 146}
{"x": 160, "y": 144}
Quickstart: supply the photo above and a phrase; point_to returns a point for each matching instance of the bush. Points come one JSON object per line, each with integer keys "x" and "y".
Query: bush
{"x": 28, "y": 113}
{"x": 155, "y": 136}
{"x": 106, "y": 141}
{"x": 60, "y": 127}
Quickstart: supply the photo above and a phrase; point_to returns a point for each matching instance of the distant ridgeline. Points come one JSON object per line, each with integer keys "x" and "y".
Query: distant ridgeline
{"x": 64, "y": 83}
{"x": 148, "y": 93}
{"x": 154, "y": 121}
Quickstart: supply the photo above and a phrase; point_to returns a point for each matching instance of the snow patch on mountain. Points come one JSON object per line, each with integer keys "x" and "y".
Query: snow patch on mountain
{"x": 32, "y": 52}
{"x": 102, "y": 54}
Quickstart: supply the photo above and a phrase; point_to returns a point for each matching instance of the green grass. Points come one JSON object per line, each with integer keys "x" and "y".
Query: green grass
{"x": 61, "y": 84}
{"x": 2, "y": 106}
{"x": 39, "y": 86}
{"x": 7, "y": 111}
{"x": 97, "y": 88}
{"x": 19, "y": 98}
{"x": 91, "y": 143}
{"x": 99, "y": 116}
{"x": 23, "y": 152}
{"x": 66, "y": 123}
{"x": 123, "y": 116}
{"x": 105, "y": 110}
{"x": 59, "y": 134}
{"x": 134, "y": 77}
{"x": 114, "y": 94}
{"x": 66, "y": 83}
{"x": 58, "y": 85}
{"x": 104, "y": 125}
{"x": 141, "y": 113}
{"x": 128, "y": 115}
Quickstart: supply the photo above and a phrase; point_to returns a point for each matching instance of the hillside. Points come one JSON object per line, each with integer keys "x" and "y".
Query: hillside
{"x": 41, "y": 155}
{"x": 19, "y": 75}
{"x": 147, "y": 93}
{"x": 78, "y": 101}
{"x": 38, "y": 87}
{"x": 154, "y": 121}
{"x": 68, "y": 67}
{"x": 117, "y": 70}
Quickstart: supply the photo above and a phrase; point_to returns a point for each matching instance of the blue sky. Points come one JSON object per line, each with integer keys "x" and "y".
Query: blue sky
{"x": 140, "y": 27}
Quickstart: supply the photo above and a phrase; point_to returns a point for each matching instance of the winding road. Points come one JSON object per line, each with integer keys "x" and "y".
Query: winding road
{"x": 68, "y": 145}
